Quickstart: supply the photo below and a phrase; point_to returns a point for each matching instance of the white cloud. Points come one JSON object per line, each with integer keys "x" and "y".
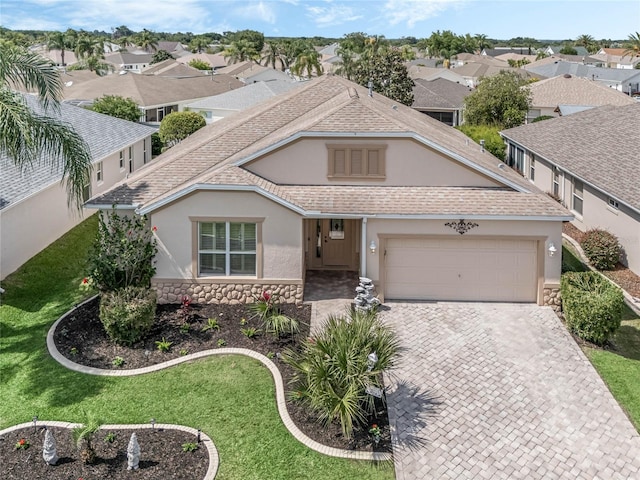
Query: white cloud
{"x": 257, "y": 11}
{"x": 414, "y": 11}
{"x": 332, "y": 15}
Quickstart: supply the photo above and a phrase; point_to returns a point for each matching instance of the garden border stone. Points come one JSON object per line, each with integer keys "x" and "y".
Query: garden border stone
{"x": 279, "y": 384}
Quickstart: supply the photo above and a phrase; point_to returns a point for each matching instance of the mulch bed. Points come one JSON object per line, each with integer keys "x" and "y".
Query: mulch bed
{"x": 162, "y": 456}
{"x": 81, "y": 338}
{"x": 621, "y": 275}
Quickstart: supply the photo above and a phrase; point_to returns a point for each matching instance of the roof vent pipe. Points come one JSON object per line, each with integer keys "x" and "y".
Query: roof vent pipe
{"x": 370, "y": 88}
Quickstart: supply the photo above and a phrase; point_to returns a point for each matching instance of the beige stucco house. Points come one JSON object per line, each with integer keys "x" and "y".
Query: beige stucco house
{"x": 33, "y": 202}
{"x": 330, "y": 177}
{"x": 589, "y": 160}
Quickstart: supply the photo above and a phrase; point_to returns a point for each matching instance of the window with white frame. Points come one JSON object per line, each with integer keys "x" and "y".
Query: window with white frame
{"x": 227, "y": 248}
{"x": 144, "y": 151}
{"x": 130, "y": 159}
{"x": 532, "y": 168}
{"x": 99, "y": 175}
{"x": 613, "y": 203}
{"x": 555, "y": 187}
{"x": 578, "y": 191}
{"x": 121, "y": 159}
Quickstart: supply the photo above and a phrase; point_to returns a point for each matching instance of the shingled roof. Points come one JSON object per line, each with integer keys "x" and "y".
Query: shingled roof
{"x": 438, "y": 93}
{"x": 326, "y": 106}
{"x": 105, "y": 135}
{"x": 599, "y": 146}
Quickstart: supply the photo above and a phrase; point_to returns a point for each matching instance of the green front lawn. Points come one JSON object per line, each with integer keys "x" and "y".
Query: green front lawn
{"x": 230, "y": 398}
{"x": 618, "y": 367}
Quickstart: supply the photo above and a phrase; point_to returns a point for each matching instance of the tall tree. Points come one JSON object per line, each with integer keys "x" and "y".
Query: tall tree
{"x": 240, "y": 51}
{"x": 501, "y": 100}
{"x": 388, "y": 75}
{"x": 632, "y": 46}
{"x": 307, "y": 63}
{"x": 59, "y": 41}
{"x": 588, "y": 42}
{"x": 146, "y": 40}
{"x": 28, "y": 136}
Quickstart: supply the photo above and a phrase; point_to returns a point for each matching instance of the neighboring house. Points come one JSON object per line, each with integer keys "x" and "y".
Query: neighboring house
{"x": 556, "y": 96}
{"x": 627, "y": 81}
{"x": 216, "y": 60}
{"x": 174, "y": 69}
{"x": 494, "y": 52}
{"x": 440, "y": 99}
{"x": 33, "y": 202}
{"x": 505, "y": 57}
{"x": 328, "y": 177}
{"x": 616, "y": 58}
{"x": 589, "y": 160}
{"x": 242, "y": 70}
{"x": 462, "y": 58}
{"x": 473, "y": 72}
{"x": 219, "y": 106}
{"x": 129, "y": 62}
{"x": 555, "y": 50}
{"x": 431, "y": 73}
{"x": 156, "y": 95}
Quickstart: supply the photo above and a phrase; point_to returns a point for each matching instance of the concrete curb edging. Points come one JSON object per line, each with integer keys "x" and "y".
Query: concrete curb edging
{"x": 214, "y": 459}
{"x": 279, "y": 384}
{"x": 630, "y": 301}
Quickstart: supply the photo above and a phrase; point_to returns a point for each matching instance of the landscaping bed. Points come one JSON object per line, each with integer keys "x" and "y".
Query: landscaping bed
{"x": 81, "y": 338}
{"x": 162, "y": 456}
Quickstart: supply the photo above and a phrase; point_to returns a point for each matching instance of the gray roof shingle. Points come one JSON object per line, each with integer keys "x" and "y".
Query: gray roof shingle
{"x": 599, "y": 146}
{"x": 104, "y": 135}
{"x": 327, "y": 105}
{"x": 438, "y": 93}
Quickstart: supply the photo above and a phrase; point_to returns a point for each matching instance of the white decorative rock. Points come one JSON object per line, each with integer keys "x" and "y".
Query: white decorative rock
{"x": 49, "y": 452}
{"x": 133, "y": 453}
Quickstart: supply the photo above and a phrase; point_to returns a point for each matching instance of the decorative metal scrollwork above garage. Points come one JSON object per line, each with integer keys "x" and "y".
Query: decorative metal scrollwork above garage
{"x": 461, "y": 226}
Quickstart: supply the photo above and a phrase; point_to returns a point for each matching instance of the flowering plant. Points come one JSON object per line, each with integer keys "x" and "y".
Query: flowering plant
{"x": 376, "y": 432}
{"x": 22, "y": 444}
{"x": 86, "y": 285}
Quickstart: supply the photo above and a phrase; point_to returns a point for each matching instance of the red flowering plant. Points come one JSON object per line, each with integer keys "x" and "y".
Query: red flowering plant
{"x": 22, "y": 444}
{"x": 185, "y": 307}
{"x": 265, "y": 307}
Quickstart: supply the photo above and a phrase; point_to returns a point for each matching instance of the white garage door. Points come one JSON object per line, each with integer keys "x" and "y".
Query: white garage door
{"x": 503, "y": 270}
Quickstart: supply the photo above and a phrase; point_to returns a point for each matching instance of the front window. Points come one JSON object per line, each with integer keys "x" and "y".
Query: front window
{"x": 532, "y": 169}
{"x": 227, "y": 248}
{"x": 99, "y": 172}
{"x": 144, "y": 151}
{"x": 556, "y": 182}
{"x": 130, "y": 159}
{"x": 121, "y": 159}
{"x": 577, "y": 196}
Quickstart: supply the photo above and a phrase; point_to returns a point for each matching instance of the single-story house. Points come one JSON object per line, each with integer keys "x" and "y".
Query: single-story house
{"x": 332, "y": 177}
{"x": 33, "y": 202}
{"x": 156, "y": 95}
{"x": 617, "y": 58}
{"x": 589, "y": 161}
{"x": 555, "y": 96}
{"x": 440, "y": 99}
{"x": 474, "y": 72}
{"x": 129, "y": 62}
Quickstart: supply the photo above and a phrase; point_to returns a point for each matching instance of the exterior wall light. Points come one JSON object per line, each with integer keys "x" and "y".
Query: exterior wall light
{"x": 373, "y": 246}
{"x": 552, "y": 249}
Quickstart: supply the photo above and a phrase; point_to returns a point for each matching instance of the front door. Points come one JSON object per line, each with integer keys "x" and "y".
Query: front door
{"x": 333, "y": 244}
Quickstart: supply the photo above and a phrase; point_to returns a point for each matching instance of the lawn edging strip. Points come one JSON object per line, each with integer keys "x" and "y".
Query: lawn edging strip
{"x": 214, "y": 459}
{"x": 630, "y": 300}
{"x": 279, "y": 384}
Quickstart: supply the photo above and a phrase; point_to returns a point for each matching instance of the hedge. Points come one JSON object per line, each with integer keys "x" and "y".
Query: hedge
{"x": 592, "y": 305}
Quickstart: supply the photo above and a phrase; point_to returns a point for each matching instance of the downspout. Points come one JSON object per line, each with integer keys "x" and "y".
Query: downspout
{"x": 363, "y": 248}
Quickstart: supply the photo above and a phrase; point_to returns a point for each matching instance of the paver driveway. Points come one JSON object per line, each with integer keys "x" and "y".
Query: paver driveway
{"x": 502, "y": 392}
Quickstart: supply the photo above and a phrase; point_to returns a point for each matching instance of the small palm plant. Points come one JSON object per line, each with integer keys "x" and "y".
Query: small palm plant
{"x": 333, "y": 371}
{"x": 83, "y": 436}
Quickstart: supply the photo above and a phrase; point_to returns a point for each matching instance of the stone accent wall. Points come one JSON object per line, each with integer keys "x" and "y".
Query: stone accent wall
{"x": 552, "y": 298}
{"x": 226, "y": 293}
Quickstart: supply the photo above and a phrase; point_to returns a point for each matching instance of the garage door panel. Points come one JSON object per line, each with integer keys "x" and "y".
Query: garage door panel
{"x": 461, "y": 269}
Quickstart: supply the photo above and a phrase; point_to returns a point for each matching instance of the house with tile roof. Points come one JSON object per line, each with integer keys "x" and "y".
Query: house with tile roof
{"x": 332, "y": 177}
{"x": 589, "y": 161}
{"x": 616, "y": 58}
{"x": 156, "y": 95}
{"x": 33, "y": 202}
{"x": 440, "y": 99}
{"x": 556, "y": 96}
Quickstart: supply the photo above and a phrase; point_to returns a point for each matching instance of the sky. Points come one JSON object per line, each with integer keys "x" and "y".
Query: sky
{"x": 540, "y": 19}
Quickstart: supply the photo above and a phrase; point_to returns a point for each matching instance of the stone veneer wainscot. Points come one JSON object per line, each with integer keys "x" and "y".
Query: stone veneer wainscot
{"x": 226, "y": 293}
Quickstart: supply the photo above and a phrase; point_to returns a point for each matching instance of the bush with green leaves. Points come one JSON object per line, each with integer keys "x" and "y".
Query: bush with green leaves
{"x": 601, "y": 248}
{"x": 128, "y": 314}
{"x": 333, "y": 370}
{"x": 177, "y": 126}
{"x": 122, "y": 254}
{"x": 117, "y": 106}
{"x": 200, "y": 64}
{"x": 265, "y": 307}
{"x": 592, "y": 305}
{"x": 489, "y": 133}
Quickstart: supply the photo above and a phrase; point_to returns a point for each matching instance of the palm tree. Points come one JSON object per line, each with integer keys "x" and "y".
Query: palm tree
{"x": 307, "y": 63}
{"x": 123, "y": 43}
{"x": 482, "y": 41}
{"x": 347, "y": 64}
{"x": 89, "y": 46}
{"x": 28, "y": 135}
{"x": 59, "y": 41}
{"x": 271, "y": 55}
{"x": 632, "y": 47}
{"x": 240, "y": 51}
{"x": 588, "y": 42}
{"x": 146, "y": 40}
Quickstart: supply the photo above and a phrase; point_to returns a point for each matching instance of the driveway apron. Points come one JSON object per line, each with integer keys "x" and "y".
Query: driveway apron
{"x": 500, "y": 391}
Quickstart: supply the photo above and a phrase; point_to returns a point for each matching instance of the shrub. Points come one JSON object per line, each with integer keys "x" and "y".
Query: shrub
{"x": 177, "y": 126}
{"x": 122, "y": 254}
{"x": 332, "y": 371}
{"x": 265, "y": 307}
{"x": 128, "y": 314}
{"x": 493, "y": 142}
{"x": 200, "y": 64}
{"x": 156, "y": 144}
{"x": 592, "y": 305}
{"x": 601, "y": 248}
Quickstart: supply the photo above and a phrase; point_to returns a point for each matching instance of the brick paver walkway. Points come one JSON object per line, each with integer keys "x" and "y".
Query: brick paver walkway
{"x": 494, "y": 391}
